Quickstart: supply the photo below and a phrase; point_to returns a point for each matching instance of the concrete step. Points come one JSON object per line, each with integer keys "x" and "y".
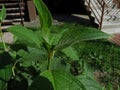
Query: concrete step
{"x": 17, "y": 20}
{"x": 16, "y": 9}
{"x": 112, "y": 30}
{"x": 7, "y": 5}
{"x": 111, "y": 26}
{"x": 7, "y": 22}
{"x": 14, "y": 15}
{"x": 112, "y": 23}
{"x": 5, "y": 27}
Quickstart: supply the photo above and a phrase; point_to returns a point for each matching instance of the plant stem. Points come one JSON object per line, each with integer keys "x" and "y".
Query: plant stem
{"x": 13, "y": 68}
{"x": 1, "y": 36}
{"x": 50, "y": 56}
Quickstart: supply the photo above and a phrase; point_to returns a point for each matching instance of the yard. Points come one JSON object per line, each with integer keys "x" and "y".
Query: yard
{"x": 69, "y": 56}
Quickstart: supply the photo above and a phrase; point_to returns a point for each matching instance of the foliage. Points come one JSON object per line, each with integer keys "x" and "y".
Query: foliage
{"x": 104, "y": 57}
{"x": 99, "y": 53}
{"x": 36, "y": 59}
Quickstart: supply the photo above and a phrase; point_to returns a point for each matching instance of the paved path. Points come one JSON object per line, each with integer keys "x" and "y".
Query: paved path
{"x": 59, "y": 19}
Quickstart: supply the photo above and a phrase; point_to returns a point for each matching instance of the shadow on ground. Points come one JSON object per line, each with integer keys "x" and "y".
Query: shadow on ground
{"x": 73, "y": 18}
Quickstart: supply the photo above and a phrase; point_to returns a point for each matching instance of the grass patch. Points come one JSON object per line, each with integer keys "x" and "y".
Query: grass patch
{"x": 104, "y": 57}
{"x": 101, "y": 54}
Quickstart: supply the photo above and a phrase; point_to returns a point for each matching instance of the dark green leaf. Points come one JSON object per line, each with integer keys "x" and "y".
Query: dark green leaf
{"x": 18, "y": 84}
{"x": 22, "y": 53}
{"x": 5, "y": 74}
{"x": 41, "y": 83}
{"x": 5, "y": 70}
{"x": 33, "y": 55}
{"x": 25, "y": 35}
{"x": 71, "y": 52}
{"x": 59, "y": 64}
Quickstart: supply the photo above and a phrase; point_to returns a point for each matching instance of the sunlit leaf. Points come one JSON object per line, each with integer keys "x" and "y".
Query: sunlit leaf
{"x": 45, "y": 18}
{"x": 74, "y": 36}
{"x": 55, "y": 37}
{"x": 2, "y": 13}
{"x": 25, "y": 34}
{"x": 44, "y": 14}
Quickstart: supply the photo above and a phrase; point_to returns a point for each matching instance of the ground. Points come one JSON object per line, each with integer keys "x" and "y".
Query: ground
{"x": 59, "y": 19}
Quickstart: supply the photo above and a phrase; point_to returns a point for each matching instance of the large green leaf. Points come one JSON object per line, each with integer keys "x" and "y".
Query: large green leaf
{"x": 58, "y": 80}
{"x": 2, "y": 13}
{"x": 44, "y": 14}
{"x": 73, "y": 36}
{"x": 25, "y": 34}
{"x": 45, "y": 18}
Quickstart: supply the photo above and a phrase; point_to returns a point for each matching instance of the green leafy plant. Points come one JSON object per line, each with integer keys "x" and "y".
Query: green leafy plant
{"x": 103, "y": 56}
{"x": 40, "y": 60}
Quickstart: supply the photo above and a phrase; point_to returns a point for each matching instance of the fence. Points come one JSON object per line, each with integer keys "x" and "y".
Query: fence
{"x": 97, "y": 7}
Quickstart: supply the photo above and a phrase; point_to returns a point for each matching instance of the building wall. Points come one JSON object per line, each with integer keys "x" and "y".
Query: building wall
{"x": 55, "y": 6}
{"x": 65, "y": 6}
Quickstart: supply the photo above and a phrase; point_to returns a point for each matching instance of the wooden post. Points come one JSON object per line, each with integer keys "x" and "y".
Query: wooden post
{"x": 31, "y": 10}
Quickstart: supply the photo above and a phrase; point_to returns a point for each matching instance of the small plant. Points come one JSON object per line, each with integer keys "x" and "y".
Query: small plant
{"x": 46, "y": 60}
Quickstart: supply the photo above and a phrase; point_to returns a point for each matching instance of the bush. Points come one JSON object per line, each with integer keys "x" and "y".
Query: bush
{"x": 36, "y": 59}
